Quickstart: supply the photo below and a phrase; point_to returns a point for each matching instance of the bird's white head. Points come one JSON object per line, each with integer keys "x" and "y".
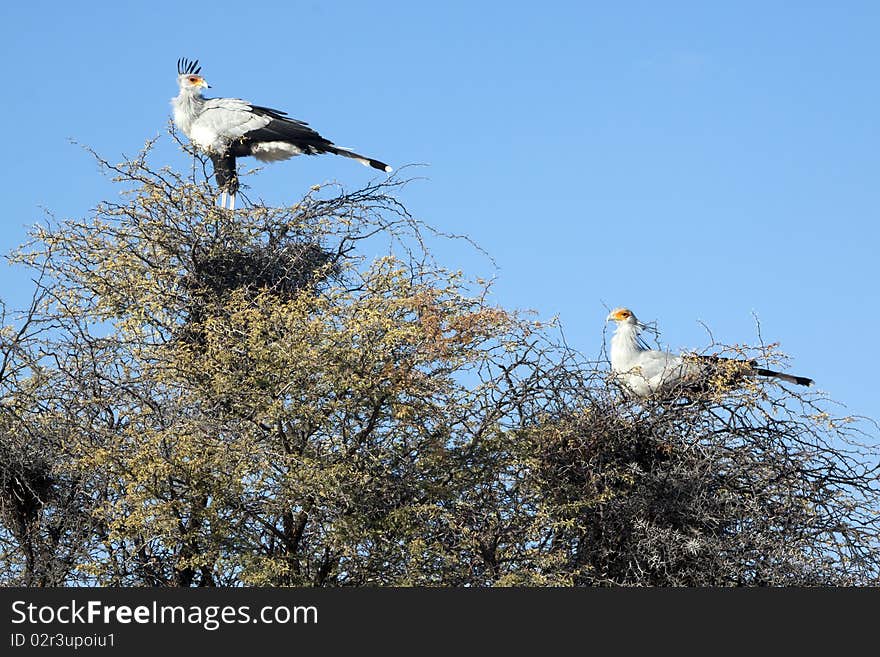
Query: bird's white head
{"x": 189, "y": 77}
{"x": 622, "y": 316}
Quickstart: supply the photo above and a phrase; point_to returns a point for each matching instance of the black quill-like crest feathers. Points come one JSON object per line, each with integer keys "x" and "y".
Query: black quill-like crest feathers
{"x": 185, "y": 66}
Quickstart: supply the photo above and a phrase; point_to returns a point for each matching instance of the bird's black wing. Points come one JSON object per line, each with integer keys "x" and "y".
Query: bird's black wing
{"x": 736, "y": 366}
{"x": 279, "y": 127}
{"x": 293, "y": 131}
{"x": 268, "y": 111}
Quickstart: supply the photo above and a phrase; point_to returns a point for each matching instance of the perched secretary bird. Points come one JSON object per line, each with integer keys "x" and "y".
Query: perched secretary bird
{"x": 645, "y": 371}
{"x": 227, "y": 128}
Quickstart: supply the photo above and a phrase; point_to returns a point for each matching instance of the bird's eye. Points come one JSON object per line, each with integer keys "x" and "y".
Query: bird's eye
{"x": 193, "y": 79}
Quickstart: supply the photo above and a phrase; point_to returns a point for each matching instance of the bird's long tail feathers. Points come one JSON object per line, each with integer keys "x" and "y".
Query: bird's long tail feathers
{"x": 760, "y": 371}
{"x": 798, "y": 380}
{"x": 366, "y": 161}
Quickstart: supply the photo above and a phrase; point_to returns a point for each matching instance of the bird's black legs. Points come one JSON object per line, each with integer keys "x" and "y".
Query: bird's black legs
{"x": 226, "y": 177}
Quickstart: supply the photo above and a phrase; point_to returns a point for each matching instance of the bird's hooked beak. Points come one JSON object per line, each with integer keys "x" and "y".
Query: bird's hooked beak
{"x": 197, "y": 82}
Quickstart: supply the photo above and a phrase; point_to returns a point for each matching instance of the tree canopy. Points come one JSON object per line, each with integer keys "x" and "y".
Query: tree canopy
{"x": 200, "y": 398}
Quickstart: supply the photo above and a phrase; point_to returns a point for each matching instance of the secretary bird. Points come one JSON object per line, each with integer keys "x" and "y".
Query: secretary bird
{"x": 228, "y": 128}
{"x": 645, "y": 371}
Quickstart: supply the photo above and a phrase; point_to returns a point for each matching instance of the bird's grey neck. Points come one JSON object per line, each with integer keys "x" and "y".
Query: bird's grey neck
{"x": 187, "y": 106}
{"x": 626, "y": 338}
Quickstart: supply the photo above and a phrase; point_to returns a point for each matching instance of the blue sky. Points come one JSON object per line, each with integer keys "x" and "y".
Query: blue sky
{"x": 695, "y": 162}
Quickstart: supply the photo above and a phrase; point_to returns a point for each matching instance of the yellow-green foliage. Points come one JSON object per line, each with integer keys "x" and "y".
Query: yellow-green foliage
{"x": 264, "y": 437}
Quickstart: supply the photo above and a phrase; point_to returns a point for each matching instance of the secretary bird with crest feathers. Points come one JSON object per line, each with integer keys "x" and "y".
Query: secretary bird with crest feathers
{"x": 228, "y": 128}
{"x": 645, "y": 371}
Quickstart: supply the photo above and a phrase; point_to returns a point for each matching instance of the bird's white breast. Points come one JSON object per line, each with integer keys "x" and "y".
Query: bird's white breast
{"x": 644, "y": 371}
{"x": 206, "y": 138}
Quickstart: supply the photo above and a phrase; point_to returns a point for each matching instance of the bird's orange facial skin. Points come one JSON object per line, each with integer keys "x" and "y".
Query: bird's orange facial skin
{"x": 621, "y": 314}
{"x": 195, "y": 80}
